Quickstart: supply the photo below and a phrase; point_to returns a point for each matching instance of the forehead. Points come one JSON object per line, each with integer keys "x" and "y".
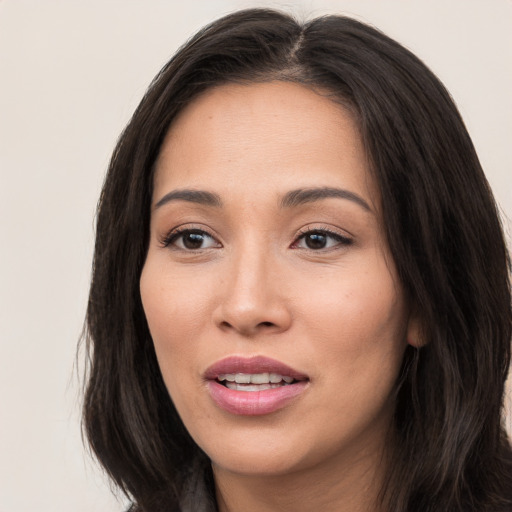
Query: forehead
{"x": 264, "y": 135}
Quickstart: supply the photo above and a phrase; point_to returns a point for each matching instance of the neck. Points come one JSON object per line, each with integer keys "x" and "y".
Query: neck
{"x": 349, "y": 484}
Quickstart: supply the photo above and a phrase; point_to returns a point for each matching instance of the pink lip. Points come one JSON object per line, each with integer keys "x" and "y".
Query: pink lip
{"x": 252, "y": 403}
{"x": 256, "y": 364}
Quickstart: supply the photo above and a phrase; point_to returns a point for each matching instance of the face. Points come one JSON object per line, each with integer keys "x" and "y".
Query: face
{"x": 277, "y": 318}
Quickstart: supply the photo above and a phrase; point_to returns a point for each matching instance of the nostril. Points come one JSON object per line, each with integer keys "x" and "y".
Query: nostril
{"x": 247, "y": 329}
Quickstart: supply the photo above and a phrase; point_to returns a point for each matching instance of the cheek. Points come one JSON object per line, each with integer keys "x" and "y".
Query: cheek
{"x": 356, "y": 303}
{"x": 357, "y": 326}
{"x": 173, "y": 301}
{"x": 175, "y": 310}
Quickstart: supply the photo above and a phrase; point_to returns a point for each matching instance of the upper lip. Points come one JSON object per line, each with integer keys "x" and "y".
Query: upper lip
{"x": 251, "y": 365}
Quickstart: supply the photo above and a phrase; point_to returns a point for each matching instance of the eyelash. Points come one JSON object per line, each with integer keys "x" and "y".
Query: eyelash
{"x": 174, "y": 235}
{"x": 340, "y": 239}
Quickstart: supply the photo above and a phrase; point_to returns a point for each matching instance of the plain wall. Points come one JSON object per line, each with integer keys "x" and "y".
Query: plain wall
{"x": 71, "y": 73}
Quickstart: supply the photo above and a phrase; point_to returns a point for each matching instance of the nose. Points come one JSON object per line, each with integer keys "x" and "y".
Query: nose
{"x": 252, "y": 299}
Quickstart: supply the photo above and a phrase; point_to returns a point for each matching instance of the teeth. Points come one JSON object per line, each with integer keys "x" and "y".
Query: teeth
{"x": 251, "y": 387}
{"x": 255, "y": 378}
{"x": 227, "y": 376}
{"x": 260, "y": 378}
{"x": 275, "y": 377}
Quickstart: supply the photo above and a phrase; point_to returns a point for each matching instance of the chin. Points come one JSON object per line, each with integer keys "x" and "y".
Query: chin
{"x": 256, "y": 452}
{"x": 256, "y": 463}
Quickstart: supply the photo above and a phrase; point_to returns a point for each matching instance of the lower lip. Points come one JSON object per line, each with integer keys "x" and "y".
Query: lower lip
{"x": 254, "y": 403}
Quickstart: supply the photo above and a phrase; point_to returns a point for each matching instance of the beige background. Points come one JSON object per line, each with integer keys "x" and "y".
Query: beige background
{"x": 71, "y": 73}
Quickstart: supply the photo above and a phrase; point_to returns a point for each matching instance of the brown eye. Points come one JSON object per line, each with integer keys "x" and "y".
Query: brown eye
{"x": 191, "y": 240}
{"x": 317, "y": 240}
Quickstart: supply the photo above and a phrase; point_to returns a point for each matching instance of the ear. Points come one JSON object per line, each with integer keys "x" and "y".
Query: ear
{"x": 415, "y": 336}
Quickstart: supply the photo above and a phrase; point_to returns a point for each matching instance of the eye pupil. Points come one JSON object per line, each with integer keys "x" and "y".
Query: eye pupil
{"x": 316, "y": 240}
{"x": 193, "y": 240}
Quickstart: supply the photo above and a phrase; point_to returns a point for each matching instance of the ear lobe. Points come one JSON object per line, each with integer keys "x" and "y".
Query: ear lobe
{"x": 414, "y": 333}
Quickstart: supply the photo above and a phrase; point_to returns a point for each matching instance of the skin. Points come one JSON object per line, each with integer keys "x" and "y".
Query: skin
{"x": 255, "y": 287}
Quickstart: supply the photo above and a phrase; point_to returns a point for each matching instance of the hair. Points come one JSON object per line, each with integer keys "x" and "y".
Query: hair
{"x": 441, "y": 222}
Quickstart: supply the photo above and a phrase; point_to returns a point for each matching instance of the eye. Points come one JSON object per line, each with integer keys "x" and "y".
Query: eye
{"x": 191, "y": 240}
{"x": 319, "y": 239}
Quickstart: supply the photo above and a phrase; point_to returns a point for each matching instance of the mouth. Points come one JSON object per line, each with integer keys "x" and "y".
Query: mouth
{"x": 254, "y": 381}
{"x": 253, "y": 386}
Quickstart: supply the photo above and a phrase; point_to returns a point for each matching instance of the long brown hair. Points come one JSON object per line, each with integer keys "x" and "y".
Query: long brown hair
{"x": 442, "y": 226}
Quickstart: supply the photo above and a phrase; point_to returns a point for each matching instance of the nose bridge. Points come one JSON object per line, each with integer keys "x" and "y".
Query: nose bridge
{"x": 249, "y": 281}
{"x": 251, "y": 299}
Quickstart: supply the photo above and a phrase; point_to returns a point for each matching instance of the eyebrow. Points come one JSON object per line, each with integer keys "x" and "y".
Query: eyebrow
{"x": 291, "y": 199}
{"x": 309, "y": 195}
{"x": 191, "y": 196}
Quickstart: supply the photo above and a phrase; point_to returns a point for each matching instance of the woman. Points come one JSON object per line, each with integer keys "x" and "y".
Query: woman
{"x": 300, "y": 296}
